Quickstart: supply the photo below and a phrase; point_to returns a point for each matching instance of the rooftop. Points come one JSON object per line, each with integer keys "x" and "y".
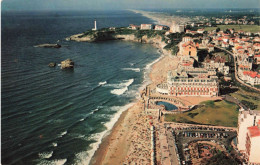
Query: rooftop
{"x": 254, "y": 131}
{"x": 251, "y": 74}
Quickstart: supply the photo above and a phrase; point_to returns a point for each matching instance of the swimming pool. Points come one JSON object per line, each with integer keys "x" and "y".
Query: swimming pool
{"x": 168, "y": 106}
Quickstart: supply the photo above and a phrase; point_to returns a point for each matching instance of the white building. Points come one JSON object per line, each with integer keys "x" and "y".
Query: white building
{"x": 146, "y": 26}
{"x": 160, "y": 27}
{"x": 245, "y": 119}
{"x": 176, "y": 28}
{"x": 186, "y": 39}
{"x": 196, "y": 82}
{"x": 253, "y": 144}
{"x": 134, "y": 27}
{"x": 251, "y": 77}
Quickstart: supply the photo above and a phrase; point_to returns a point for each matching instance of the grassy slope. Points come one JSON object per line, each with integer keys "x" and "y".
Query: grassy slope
{"x": 246, "y": 28}
{"x": 242, "y": 94}
{"x": 214, "y": 113}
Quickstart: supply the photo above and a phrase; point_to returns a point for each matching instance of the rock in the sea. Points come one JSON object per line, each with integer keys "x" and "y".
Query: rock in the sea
{"x": 67, "y": 64}
{"x": 52, "y": 64}
{"x": 48, "y": 46}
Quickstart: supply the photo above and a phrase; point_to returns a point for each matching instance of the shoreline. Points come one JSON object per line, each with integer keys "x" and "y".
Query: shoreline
{"x": 107, "y": 147}
{"x": 110, "y": 145}
{"x": 103, "y": 147}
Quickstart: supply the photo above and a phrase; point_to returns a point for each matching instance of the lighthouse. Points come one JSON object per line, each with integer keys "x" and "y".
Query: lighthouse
{"x": 95, "y": 25}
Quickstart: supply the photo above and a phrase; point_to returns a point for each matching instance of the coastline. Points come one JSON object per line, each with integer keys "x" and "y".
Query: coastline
{"x": 103, "y": 152}
{"x": 111, "y": 144}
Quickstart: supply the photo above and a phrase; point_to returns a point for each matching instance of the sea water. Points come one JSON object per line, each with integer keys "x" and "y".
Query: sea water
{"x": 54, "y": 116}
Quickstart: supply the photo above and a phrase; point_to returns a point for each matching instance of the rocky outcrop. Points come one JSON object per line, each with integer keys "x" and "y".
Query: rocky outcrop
{"x": 67, "y": 64}
{"x": 52, "y": 64}
{"x": 81, "y": 38}
{"x": 127, "y": 37}
{"x": 109, "y": 35}
{"x": 48, "y": 46}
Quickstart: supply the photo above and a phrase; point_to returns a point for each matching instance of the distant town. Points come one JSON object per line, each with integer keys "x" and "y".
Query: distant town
{"x": 203, "y": 103}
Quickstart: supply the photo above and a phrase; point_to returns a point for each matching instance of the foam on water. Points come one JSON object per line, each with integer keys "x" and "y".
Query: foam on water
{"x": 147, "y": 71}
{"x": 95, "y": 110}
{"x": 63, "y": 133}
{"x": 102, "y": 83}
{"x": 45, "y": 155}
{"x": 132, "y": 64}
{"x": 132, "y": 69}
{"x": 54, "y": 144}
{"x": 53, "y": 162}
{"x": 85, "y": 157}
{"x": 122, "y": 87}
{"x": 119, "y": 91}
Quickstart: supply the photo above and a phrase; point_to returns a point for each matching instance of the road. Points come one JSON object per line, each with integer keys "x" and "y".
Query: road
{"x": 236, "y": 76}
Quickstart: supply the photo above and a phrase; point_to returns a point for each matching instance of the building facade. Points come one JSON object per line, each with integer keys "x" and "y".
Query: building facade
{"x": 184, "y": 84}
{"x": 251, "y": 77}
{"x": 245, "y": 119}
{"x": 188, "y": 49}
{"x": 253, "y": 144}
{"x": 160, "y": 27}
{"x": 146, "y": 26}
{"x": 177, "y": 28}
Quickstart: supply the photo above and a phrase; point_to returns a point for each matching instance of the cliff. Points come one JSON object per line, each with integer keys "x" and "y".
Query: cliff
{"x": 149, "y": 37}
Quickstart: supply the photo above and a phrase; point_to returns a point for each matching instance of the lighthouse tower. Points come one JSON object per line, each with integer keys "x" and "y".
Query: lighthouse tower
{"x": 95, "y": 25}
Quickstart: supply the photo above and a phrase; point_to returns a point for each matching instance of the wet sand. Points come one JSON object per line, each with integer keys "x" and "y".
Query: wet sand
{"x": 129, "y": 140}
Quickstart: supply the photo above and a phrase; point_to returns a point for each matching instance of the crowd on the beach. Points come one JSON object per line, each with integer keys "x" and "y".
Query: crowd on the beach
{"x": 140, "y": 139}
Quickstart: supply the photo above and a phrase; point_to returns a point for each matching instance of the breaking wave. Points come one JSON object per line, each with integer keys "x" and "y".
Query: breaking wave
{"x": 122, "y": 87}
{"x": 132, "y": 69}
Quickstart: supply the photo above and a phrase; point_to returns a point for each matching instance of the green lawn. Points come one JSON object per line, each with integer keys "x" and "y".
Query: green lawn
{"x": 222, "y": 54}
{"x": 221, "y": 113}
{"x": 248, "y": 97}
{"x": 246, "y": 28}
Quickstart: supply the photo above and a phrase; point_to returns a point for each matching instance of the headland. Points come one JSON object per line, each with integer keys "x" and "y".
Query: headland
{"x": 144, "y": 133}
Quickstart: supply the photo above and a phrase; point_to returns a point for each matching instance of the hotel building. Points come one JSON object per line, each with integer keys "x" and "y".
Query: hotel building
{"x": 192, "y": 83}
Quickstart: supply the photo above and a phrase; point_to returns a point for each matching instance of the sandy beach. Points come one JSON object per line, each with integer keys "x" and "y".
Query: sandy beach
{"x": 163, "y": 18}
{"x": 129, "y": 140}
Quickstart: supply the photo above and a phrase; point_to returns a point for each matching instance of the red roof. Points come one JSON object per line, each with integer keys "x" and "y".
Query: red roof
{"x": 254, "y": 131}
{"x": 188, "y": 43}
{"x": 251, "y": 74}
{"x": 187, "y": 64}
{"x": 243, "y": 66}
{"x": 257, "y": 55}
{"x": 239, "y": 47}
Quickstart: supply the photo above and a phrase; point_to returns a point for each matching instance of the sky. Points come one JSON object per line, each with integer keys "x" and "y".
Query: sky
{"x": 123, "y": 4}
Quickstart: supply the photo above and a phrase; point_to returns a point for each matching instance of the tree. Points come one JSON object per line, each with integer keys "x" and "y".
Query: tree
{"x": 175, "y": 50}
{"x": 218, "y": 29}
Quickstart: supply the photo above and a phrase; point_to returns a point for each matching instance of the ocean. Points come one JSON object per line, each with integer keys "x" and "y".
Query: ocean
{"x": 54, "y": 116}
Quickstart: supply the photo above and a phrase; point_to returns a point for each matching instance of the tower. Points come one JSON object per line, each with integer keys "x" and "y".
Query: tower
{"x": 95, "y": 25}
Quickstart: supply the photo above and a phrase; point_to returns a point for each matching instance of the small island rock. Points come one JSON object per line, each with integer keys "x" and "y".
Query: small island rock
{"x": 67, "y": 64}
{"x": 48, "y": 46}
